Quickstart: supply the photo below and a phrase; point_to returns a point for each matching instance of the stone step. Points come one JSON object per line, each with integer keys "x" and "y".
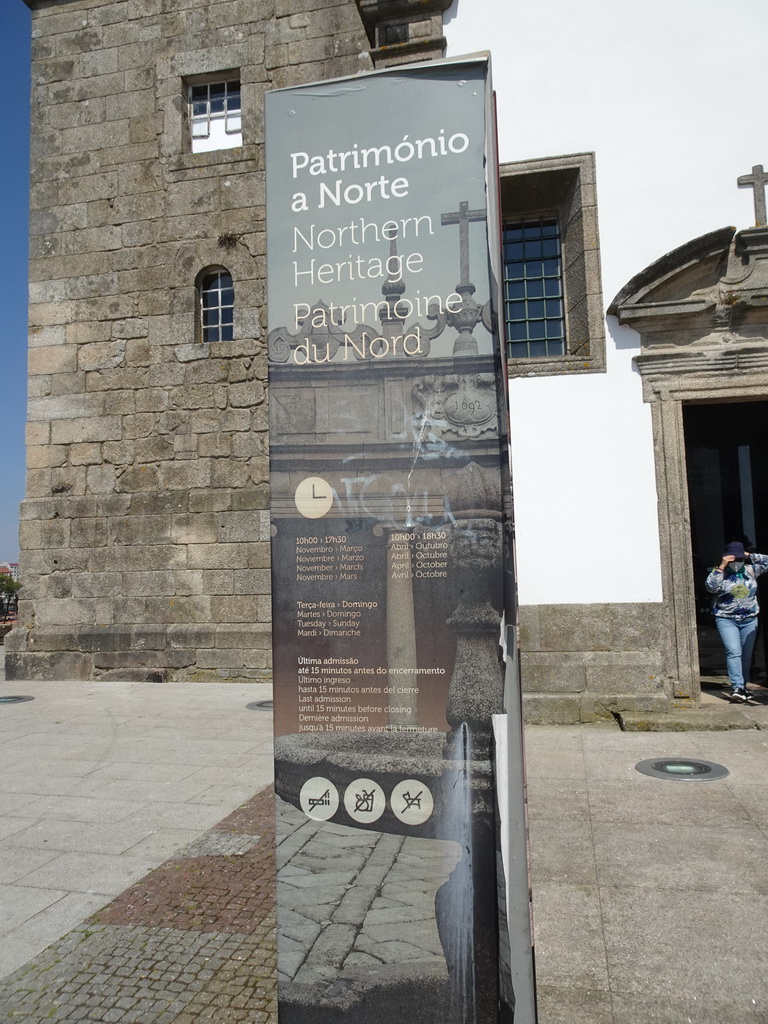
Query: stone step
{"x": 702, "y": 719}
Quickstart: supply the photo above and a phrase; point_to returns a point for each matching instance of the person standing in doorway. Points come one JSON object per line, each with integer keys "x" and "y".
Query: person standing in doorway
{"x": 733, "y": 585}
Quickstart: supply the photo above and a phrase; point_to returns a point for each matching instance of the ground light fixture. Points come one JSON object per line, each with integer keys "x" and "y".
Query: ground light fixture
{"x": 682, "y": 769}
{"x": 14, "y": 700}
{"x": 260, "y": 705}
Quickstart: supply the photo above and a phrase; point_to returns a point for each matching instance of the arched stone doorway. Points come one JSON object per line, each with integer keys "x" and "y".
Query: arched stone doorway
{"x": 702, "y": 315}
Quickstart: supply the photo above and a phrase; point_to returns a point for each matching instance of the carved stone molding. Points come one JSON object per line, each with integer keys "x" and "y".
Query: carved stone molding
{"x": 458, "y": 405}
{"x": 701, "y": 311}
{"x": 476, "y": 691}
{"x": 711, "y": 362}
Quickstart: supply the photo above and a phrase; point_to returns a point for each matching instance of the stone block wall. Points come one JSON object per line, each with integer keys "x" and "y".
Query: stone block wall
{"x": 145, "y": 535}
{"x": 586, "y": 662}
{"x": 145, "y": 531}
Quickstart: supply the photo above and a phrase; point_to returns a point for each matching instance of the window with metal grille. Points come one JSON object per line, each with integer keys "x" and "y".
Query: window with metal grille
{"x": 533, "y": 288}
{"x": 217, "y": 306}
{"x": 215, "y": 115}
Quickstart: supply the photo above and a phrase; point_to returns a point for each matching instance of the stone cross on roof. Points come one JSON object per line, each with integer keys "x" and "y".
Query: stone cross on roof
{"x": 756, "y": 181}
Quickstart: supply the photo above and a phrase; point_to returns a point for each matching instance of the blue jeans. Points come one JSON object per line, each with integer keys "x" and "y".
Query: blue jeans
{"x": 739, "y": 640}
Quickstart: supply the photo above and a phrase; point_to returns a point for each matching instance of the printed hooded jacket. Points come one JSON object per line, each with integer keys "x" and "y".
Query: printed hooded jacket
{"x": 735, "y": 593}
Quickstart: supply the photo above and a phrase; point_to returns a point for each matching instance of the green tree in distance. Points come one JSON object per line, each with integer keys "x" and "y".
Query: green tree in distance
{"x": 9, "y": 600}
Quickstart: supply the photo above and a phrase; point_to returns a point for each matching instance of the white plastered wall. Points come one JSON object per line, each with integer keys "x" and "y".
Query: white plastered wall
{"x": 670, "y": 97}
{"x": 585, "y": 492}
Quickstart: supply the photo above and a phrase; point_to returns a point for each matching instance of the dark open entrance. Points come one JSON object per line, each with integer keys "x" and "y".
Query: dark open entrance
{"x": 726, "y": 448}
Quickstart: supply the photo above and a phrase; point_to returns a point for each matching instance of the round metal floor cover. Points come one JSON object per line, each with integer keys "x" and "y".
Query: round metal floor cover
{"x": 14, "y": 700}
{"x": 260, "y": 705}
{"x": 681, "y": 768}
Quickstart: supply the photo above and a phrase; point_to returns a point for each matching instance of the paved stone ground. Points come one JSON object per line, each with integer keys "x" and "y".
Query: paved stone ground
{"x": 101, "y": 782}
{"x": 650, "y": 897}
{"x": 194, "y": 941}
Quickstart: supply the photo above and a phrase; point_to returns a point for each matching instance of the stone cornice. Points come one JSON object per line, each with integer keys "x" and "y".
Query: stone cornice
{"x": 660, "y": 316}
{"x": 376, "y": 12}
{"x": 712, "y": 245}
{"x": 726, "y": 359}
{"x": 702, "y": 310}
{"x": 404, "y": 30}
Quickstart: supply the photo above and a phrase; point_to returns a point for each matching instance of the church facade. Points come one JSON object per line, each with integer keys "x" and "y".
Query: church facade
{"x": 145, "y": 528}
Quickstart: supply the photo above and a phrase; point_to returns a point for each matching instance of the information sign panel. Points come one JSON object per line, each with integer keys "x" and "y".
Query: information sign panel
{"x": 390, "y": 524}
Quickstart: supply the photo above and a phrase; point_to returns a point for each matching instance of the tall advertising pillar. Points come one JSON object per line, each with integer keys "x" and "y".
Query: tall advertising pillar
{"x": 391, "y": 553}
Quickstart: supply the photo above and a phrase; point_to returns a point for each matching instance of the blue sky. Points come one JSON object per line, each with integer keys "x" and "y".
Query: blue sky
{"x": 14, "y": 206}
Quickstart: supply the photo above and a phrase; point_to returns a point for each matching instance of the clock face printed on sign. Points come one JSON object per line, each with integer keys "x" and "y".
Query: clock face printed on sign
{"x": 314, "y": 497}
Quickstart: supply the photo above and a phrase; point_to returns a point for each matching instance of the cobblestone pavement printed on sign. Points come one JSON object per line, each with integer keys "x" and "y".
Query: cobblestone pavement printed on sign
{"x": 194, "y": 941}
{"x": 356, "y": 899}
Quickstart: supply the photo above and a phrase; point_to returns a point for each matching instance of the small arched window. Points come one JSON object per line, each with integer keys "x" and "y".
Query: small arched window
{"x": 217, "y": 305}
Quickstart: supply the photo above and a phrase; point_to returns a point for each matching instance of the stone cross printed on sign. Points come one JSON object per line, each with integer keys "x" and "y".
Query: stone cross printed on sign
{"x": 470, "y": 314}
{"x": 756, "y": 181}
{"x": 463, "y": 219}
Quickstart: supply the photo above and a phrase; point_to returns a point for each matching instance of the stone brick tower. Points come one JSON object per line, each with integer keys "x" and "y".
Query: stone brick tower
{"x": 145, "y": 531}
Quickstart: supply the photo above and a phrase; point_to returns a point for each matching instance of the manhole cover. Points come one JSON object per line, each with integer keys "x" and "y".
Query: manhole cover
{"x": 681, "y": 768}
{"x": 260, "y": 705}
{"x": 14, "y": 700}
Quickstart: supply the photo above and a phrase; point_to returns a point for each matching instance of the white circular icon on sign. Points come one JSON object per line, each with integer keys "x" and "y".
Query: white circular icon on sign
{"x": 314, "y": 497}
{"x": 412, "y": 802}
{"x": 364, "y": 800}
{"x": 319, "y": 798}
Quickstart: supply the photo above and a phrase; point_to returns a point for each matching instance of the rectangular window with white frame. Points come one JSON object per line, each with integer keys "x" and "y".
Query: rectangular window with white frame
{"x": 215, "y": 115}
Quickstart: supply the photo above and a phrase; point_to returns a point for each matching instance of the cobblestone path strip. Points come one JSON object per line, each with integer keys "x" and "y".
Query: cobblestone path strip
{"x": 230, "y": 892}
{"x": 194, "y": 941}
